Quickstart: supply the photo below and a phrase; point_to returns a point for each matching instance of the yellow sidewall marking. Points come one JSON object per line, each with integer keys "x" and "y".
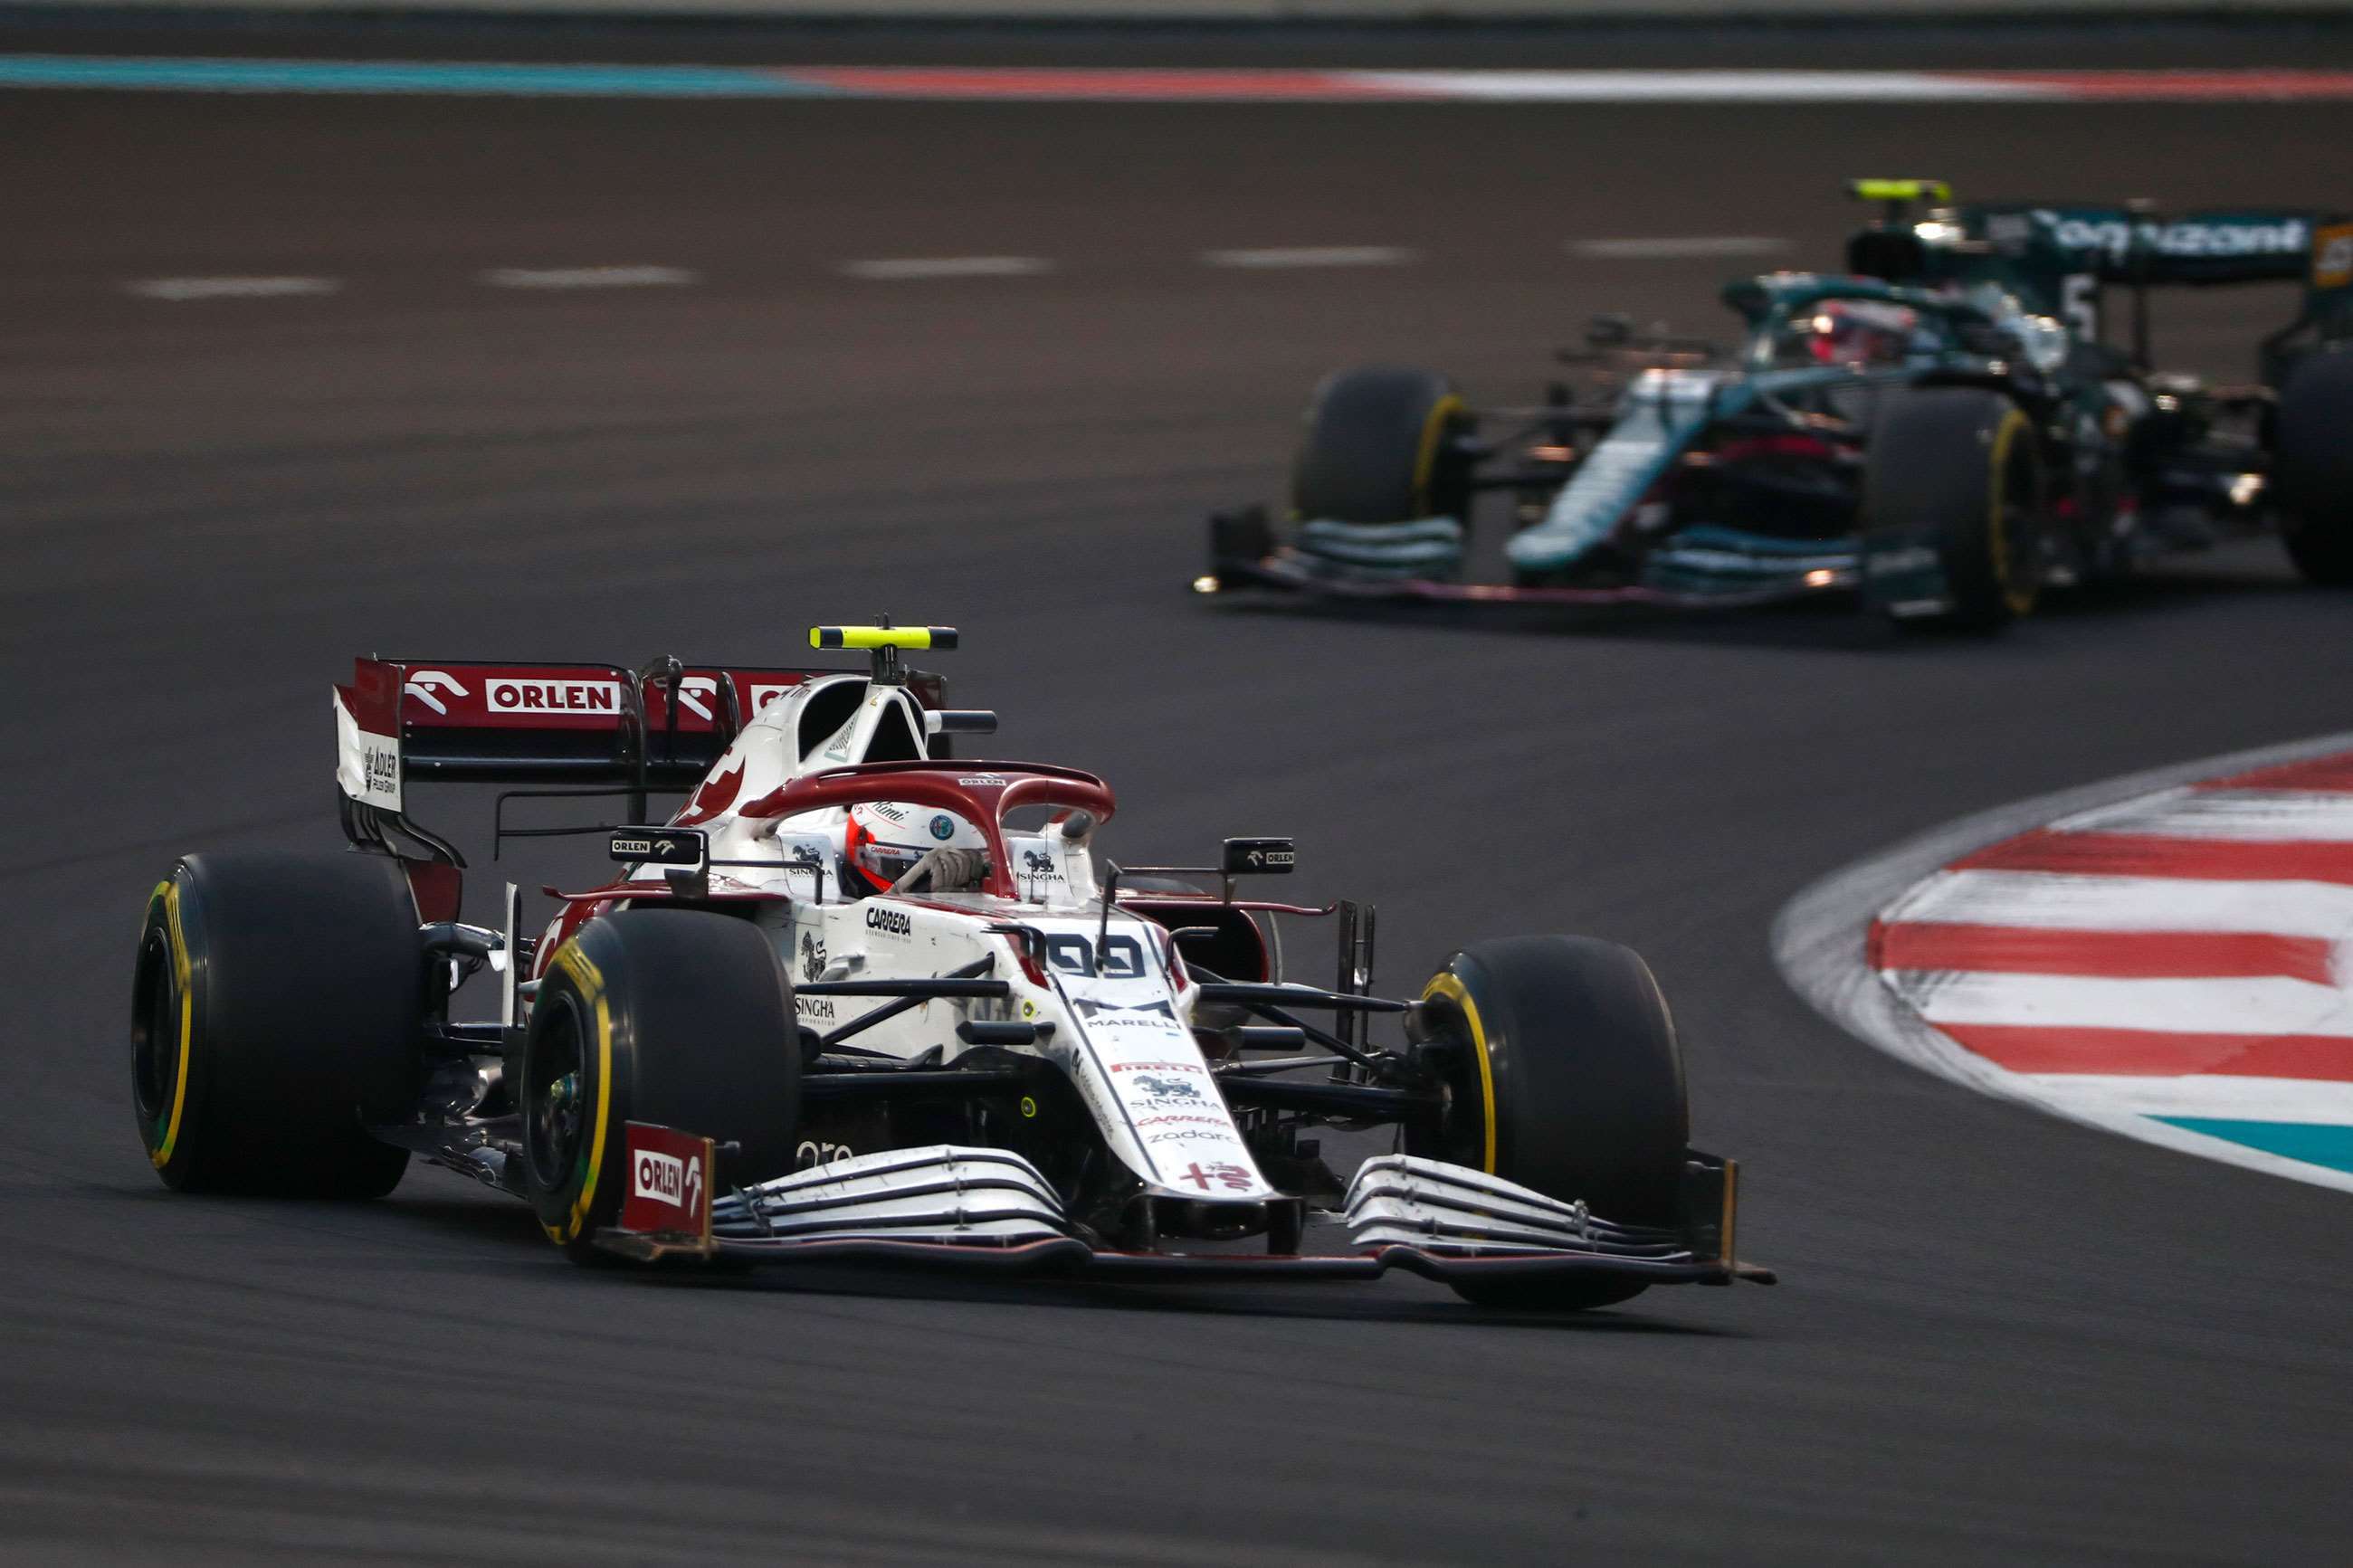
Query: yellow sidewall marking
{"x": 591, "y": 981}
{"x": 1443, "y": 413}
{"x": 603, "y": 1118}
{"x": 1449, "y": 987}
{"x": 2019, "y": 597}
{"x": 170, "y": 893}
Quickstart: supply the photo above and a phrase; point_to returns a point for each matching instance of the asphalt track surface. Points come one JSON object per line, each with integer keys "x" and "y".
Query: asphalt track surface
{"x": 2001, "y": 1337}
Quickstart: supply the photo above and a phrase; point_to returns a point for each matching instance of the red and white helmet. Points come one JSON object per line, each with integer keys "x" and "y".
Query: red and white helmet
{"x": 1850, "y": 332}
{"x": 885, "y": 838}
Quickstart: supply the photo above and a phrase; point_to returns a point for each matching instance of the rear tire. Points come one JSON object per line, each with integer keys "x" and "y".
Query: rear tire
{"x": 1957, "y": 469}
{"x": 276, "y": 1011}
{"x": 1378, "y": 449}
{"x": 2312, "y": 468}
{"x": 676, "y": 1017}
{"x": 1565, "y": 1075}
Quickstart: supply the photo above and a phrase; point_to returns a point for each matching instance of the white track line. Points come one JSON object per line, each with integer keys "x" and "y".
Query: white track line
{"x": 2204, "y": 1095}
{"x": 179, "y": 288}
{"x": 1311, "y": 255}
{"x": 893, "y": 269}
{"x": 588, "y": 277}
{"x": 2271, "y": 1006}
{"x": 1672, "y": 247}
{"x": 2053, "y": 901}
{"x": 2248, "y": 814}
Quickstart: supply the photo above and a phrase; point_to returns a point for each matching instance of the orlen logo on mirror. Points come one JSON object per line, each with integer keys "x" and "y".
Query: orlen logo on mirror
{"x": 509, "y": 696}
{"x": 667, "y": 1179}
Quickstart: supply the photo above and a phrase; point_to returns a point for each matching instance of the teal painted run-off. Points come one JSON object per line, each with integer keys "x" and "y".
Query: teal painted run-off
{"x": 135, "y": 73}
{"x": 2314, "y": 1142}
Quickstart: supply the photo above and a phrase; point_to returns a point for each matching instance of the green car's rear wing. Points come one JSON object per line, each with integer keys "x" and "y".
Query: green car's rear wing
{"x": 2057, "y": 256}
{"x": 2119, "y": 245}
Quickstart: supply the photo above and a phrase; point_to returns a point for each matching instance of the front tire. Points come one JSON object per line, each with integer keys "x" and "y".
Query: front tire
{"x": 2312, "y": 468}
{"x": 679, "y": 1018}
{"x": 1956, "y": 469}
{"x": 1562, "y": 1073}
{"x": 1379, "y": 449}
{"x": 276, "y": 1011}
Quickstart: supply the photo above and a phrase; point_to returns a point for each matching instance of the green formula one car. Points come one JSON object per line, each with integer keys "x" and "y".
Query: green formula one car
{"x": 1944, "y": 430}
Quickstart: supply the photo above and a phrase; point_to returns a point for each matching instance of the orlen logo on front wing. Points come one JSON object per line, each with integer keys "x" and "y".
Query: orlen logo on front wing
{"x": 512, "y": 696}
{"x": 667, "y": 1178}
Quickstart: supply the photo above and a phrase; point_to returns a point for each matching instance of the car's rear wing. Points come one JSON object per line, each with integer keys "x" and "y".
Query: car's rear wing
{"x": 2221, "y": 244}
{"x": 2058, "y": 256}
{"x": 406, "y": 721}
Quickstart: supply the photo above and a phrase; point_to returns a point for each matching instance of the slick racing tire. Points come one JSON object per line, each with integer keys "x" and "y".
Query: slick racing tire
{"x": 2312, "y": 467}
{"x": 277, "y": 1011}
{"x": 677, "y": 1017}
{"x": 1957, "y": 469}
{"x": 1378, "y": 449}
{"x": 1562, "y": 1073}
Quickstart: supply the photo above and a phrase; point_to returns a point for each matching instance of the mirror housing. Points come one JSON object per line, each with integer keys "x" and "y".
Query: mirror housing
{"x": 958, "y": 721}
{"x": 1258, "y": 857}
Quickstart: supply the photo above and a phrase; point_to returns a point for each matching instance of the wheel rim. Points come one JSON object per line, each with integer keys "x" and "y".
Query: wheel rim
{"x": 1458, "y": 1133}
{"x": 154, "y": 1034}
{"x": 554, "y": 1100}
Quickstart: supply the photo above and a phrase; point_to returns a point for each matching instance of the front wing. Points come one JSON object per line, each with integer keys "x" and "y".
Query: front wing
{"x": 989, "y": 1210}
{"x": 1289, "y": 571}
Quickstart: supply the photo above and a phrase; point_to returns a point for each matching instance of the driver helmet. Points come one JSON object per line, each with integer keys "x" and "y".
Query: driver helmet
{"x": 1850, "y": 332}
{"x": 885, "y": 838}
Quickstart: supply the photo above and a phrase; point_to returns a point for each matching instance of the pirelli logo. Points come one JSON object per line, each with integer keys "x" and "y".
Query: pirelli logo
{"x": 2332, "y": 257}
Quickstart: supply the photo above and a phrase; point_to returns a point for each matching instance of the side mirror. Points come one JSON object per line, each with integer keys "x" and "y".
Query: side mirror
{"x": 1258, "y": 857}
{"x": 657, "y": 846}
{"x": 683, "y": 853}
{"x": 959, "y": 721}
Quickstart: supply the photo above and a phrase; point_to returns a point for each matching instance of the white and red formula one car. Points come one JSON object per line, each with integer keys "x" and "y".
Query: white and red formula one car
{"x": 859, "y": 1000}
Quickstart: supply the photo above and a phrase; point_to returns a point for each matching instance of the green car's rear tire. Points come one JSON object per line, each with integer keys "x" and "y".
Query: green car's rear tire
{"x": 2312, "y": 467}
{"x": 1960, "y": 469}
{"x": 1378, "y": 449}
{"x": 681, "y": 1018}
{"x": 276, "y": 1011}
{"x": 1562, "y": 1073}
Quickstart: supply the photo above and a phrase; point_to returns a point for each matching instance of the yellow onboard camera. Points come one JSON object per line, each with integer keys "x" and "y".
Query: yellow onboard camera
{"x": 884, "y": 642}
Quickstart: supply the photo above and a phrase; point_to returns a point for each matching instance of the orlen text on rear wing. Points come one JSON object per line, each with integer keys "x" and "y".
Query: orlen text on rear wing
{"x": 401, "y": 722}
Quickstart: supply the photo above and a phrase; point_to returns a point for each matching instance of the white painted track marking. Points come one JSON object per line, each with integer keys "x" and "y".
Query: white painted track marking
{"x": 2055, "y": 902}
{"x": 1678, "y": 247}
{"x": 2248, "y": 814}
{"x": 2269, "y": 1005}
{"x": 1311, "y": 255}
{"x": 181, "y": 289}
{"x": 2204, "y": 1094}
{"x": 893, "y": 269}
{"x": 589, "y": 276}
